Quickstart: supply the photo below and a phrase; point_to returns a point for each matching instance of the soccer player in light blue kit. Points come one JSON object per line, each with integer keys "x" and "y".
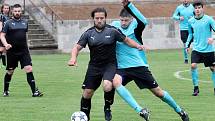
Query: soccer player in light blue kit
{"x": 182, "y": 14}
{"x": 132, "y": 63}
{"x": 200, "y": 28}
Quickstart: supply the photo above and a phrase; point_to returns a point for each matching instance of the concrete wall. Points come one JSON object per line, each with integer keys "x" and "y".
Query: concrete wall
{"x": 11, "y": 2}
{"x": 161, "y": 33}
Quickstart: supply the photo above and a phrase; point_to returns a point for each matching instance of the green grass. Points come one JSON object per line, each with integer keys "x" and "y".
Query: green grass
{"x": 62, "y": 91}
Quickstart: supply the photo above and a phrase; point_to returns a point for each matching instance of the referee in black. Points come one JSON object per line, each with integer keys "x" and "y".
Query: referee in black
{"x": 14, "y": 39}
{"x": 101, "y": 40}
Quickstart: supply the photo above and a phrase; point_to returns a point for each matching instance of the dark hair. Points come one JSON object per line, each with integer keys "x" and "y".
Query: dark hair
{"x": 198, "y": 3}
{"x": 124, "y": 13}
{"x": 17, "y": 6}
{"x": 96, "y": 10}
{"x": 4, "y": 6}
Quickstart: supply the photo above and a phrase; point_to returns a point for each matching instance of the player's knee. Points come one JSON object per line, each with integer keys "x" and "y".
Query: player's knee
{"x": 212, "y": 69}
{"x": 107, "y": 86}
{"x": 158, "y": 92}
{"x": 28, "y": 69}
{"x": 193, "y": 66}
{"x": 10, "y": 72}
{"x": 88, "y": 93}
{"x": 116, "y": 83}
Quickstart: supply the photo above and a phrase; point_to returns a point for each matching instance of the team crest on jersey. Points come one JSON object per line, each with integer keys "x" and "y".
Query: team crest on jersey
{"x": 13, "y": 24}
{"x": 23, "y": 23}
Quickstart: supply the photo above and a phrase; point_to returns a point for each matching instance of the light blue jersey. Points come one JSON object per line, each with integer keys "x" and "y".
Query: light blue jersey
{"x": 201, "y": 30}
{"x": 126, "y": 56}
{"x": 187, "y": 12}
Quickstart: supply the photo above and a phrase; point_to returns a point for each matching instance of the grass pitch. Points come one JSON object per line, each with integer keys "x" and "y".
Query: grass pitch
{"x": 61, "y": 86}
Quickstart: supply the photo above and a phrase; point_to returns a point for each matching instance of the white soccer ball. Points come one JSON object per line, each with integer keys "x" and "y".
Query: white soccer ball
{"x": 79, "y": 116}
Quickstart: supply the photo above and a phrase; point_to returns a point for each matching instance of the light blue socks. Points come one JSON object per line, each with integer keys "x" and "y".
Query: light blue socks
{"x": 185, "y": 54}
{"x": 171, "y": 102}
{"x": 194, "y": 73}
{"x": 126, "y": 96}
{"x": 213, "y": 78}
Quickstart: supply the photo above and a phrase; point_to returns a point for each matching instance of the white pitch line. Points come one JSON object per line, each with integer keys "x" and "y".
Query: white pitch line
{"x": 178, "y": 76}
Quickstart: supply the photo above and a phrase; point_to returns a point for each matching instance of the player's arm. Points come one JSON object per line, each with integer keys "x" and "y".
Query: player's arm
{"x": 133, "y": 44}
{"x": 176, "y": 15}
{"x": 77, "y": 48}
{"x": 212, "y": 25}
{"x": 190, "y": 36}
{"x": 130, "y": 7}
{"x": 3, "y": 38}
{"x": 74, "y": 54}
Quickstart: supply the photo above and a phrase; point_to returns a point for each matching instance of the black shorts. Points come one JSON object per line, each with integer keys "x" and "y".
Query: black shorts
{"x": 141, "y": 76}
{"x": 95, "y": 75}
{"x": 184, "y": 35}
{"x": 13, "y": 58}
{"x": 206, "y": 58}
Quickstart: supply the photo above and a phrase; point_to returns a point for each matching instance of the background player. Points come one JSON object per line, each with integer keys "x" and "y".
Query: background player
{"x": 200, "y": 28}
{"x": 182, "y": 14}
{"x": 4, "y": 16}
{"x": 13, "y": 37}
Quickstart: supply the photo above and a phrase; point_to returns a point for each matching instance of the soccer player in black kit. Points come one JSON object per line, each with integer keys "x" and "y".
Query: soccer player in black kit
{"x": 14, "y": 39}
{"x": 101, "y": 39}
{"x": 4, "y": 16}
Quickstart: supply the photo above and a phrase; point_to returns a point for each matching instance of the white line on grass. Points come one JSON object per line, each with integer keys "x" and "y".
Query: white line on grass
{"x": 178, "y": 76}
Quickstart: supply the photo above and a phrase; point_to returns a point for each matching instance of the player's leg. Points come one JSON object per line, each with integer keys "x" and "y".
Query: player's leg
{"x": 12, "y": 63}
{"x": 167, "y": 98}
{"x": 7, "y": 79}
{"x": 125, "y": 94}
{"x": 86, "y": 101}
{"x": 119, "y": 84}
{"x": 184, "y": 36}
{"x": 109, "y": 91}
{"x": 213, "y": 76}
{"x": 3, "y": 55}
{"x": 25, "y": 61}
{"x": 209, "y": 61}
{"x": 92, "y": 81}
{"x": 195, "y": 58}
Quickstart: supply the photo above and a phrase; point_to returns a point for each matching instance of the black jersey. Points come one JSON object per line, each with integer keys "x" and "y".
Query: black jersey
{"x": 102, "y": 44}
{"x": 4, "y": 18}
{"x": 16, "y": 34}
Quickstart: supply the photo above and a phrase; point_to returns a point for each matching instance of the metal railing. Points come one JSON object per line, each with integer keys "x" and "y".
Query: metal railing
{"x": 43, "y": 14}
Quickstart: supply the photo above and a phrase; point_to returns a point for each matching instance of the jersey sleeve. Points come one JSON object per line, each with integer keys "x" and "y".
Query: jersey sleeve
{"x": 5, "y": 27}
{"x": 83, "y": 39}
{"x": 176, "y": 14}
{"x": 119, "y": 36}
{"x": 212, "y": 24}
{"x": 130, "y": 7}
{"x": 190, "y": 36}
{"x": 1, "y": 18}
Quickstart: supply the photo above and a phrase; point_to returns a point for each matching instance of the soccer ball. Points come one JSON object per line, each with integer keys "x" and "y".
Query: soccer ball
{"x": 79, "y": 116}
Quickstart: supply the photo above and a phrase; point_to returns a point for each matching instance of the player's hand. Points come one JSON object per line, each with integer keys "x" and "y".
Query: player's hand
{"x": 72, "y": 62}
{"x": 187, "y": 50}
{"x": 142, "y": 47}
{"x": 8, "y": 46}
{"x": 181, "y": 18}
{"x": 210, "y": 41}
{"x": 124, "y": 2}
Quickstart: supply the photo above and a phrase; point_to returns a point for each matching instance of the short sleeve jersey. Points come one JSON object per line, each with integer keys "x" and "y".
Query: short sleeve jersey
{"x": 16, "y": 34}
{"x": 4, "y": 18}
{"x": 102, "y": 44}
